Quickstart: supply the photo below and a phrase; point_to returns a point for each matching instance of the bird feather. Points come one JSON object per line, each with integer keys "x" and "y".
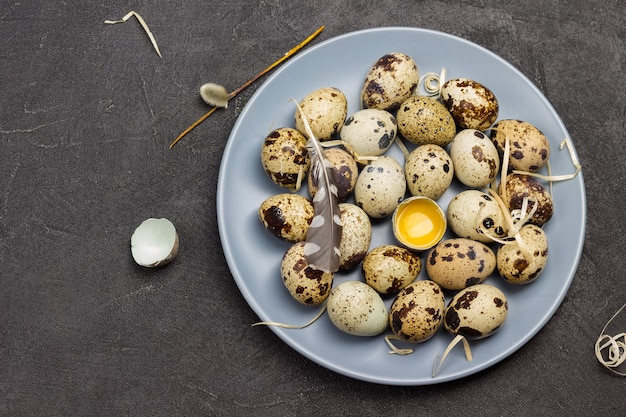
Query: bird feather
{"x": 321, "y": 249}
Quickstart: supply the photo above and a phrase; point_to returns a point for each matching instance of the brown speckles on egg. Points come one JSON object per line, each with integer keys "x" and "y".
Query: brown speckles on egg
{"x": 287, "y": 216}
{"x": 530, "y": 148}
{"x": 391, "y": 80}
{"x": 457, "y": 263}
{"x": 523, "y": 265}
{"x": 475, "y": 158}
{"x": 307, "y": 285}
{"x": 428, "y": 171}
{"x": 471, "y": 104}
{"x": 284, "y": 157}
{"x": 417, "y": 312}
{"x": 476, "y": 312}
{"x": 520, "y": 186}
{"x": 356, "y": 235}
{"x": 390, "y": 268}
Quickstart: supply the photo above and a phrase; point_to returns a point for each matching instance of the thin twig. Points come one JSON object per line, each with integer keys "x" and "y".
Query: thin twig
{"x": 291, "y": 52}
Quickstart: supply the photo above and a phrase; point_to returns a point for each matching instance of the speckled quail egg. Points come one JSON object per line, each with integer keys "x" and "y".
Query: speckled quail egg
{"x": 345, "y": 173}
{"x": 474, "y": 214}
{"x": 393, "y": 78}
{"x": 471, "y": 104}
{"x": 475, "y": 158}
{"x": 389, "y": 268}
{"x": 476, "y": 312}
{"x": 285, "y": 157}
{"x": 326, "y": 109}
{"x": 287, "y": 216}
{"x": 423, "y": 119}
{"x": 356, "y": 235}
{"x": 355, "y": 308}
{"x": 370, "y": 132}
{"x": 529, "y": 147}
{"x": 429, "y": 171}
{"x": 380, "y": 187}
{"x": 457, "y": 263}
{"x": 520, "y": 186}
{"x": 520, "y": 265}
{"x": 417, "y": 311}
{"x": 307, "y": 285}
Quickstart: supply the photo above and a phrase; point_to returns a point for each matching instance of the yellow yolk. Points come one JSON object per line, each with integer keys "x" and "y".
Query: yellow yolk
{"x": 419, "y": 223}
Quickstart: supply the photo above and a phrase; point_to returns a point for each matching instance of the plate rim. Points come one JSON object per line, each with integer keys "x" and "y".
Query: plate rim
{"x": 253, "y": 304}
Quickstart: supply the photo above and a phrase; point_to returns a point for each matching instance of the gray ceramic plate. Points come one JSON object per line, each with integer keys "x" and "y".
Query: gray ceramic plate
{"x": 254, "y": 255}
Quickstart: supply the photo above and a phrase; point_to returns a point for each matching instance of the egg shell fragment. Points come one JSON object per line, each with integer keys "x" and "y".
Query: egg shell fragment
{"x": 512, "y": 263}
{"x": 476, "y": 312}
{"x": 307, "y": 285}
{"x": 417, "y": 311}
{"x": 356, "y": 235}
{"x": 475, "y": 158}
{"x": 520, "y": 186}
{"x": 390, "y": 268}
{"x": 429, "y": 171}
{"x": 393, "y": 78}
{"x": 285, "y": 157}
{"x": 326, "y": 110}
{"x": 423, "y": 120}
{"x": 154, "y": 243}
{"x": 370, "y": 132}
{"x": 287, "y": 216}
{"x": 345, "y": 173}
{"x": 474, "y": 214}
{"x": 355, "y": 308}
{"x": 458, "y": 263}
{"x": 471, "y": 104}
{"x": 529, "y": 147}
{"x": 381, "y": 186}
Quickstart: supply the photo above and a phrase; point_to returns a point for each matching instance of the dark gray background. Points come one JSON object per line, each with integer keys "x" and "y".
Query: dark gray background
{"x": 87, "y": 113}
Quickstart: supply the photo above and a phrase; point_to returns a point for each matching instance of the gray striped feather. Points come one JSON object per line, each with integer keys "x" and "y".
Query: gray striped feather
{"x": 321, "y": 249}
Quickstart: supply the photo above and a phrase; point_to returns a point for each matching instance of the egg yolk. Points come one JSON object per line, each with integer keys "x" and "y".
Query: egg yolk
{"x": 419, "y": 223}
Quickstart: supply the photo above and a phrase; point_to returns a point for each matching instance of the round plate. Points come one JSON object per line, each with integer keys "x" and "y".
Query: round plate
{"x": 254, "y": 255}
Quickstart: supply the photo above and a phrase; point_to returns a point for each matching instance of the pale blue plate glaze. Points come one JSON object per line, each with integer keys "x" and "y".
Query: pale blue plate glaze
{"x": 254, "y": 255}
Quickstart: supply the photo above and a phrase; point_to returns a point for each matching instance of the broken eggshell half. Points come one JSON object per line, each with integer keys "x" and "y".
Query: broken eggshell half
{"x": 154, "y": 243}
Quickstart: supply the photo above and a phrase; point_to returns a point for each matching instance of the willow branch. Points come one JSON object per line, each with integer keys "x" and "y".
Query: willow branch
{"x": 234, "y": 93}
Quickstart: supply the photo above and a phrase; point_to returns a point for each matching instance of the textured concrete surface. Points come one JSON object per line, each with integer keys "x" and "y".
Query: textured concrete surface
{"x": 87, "y": 113}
